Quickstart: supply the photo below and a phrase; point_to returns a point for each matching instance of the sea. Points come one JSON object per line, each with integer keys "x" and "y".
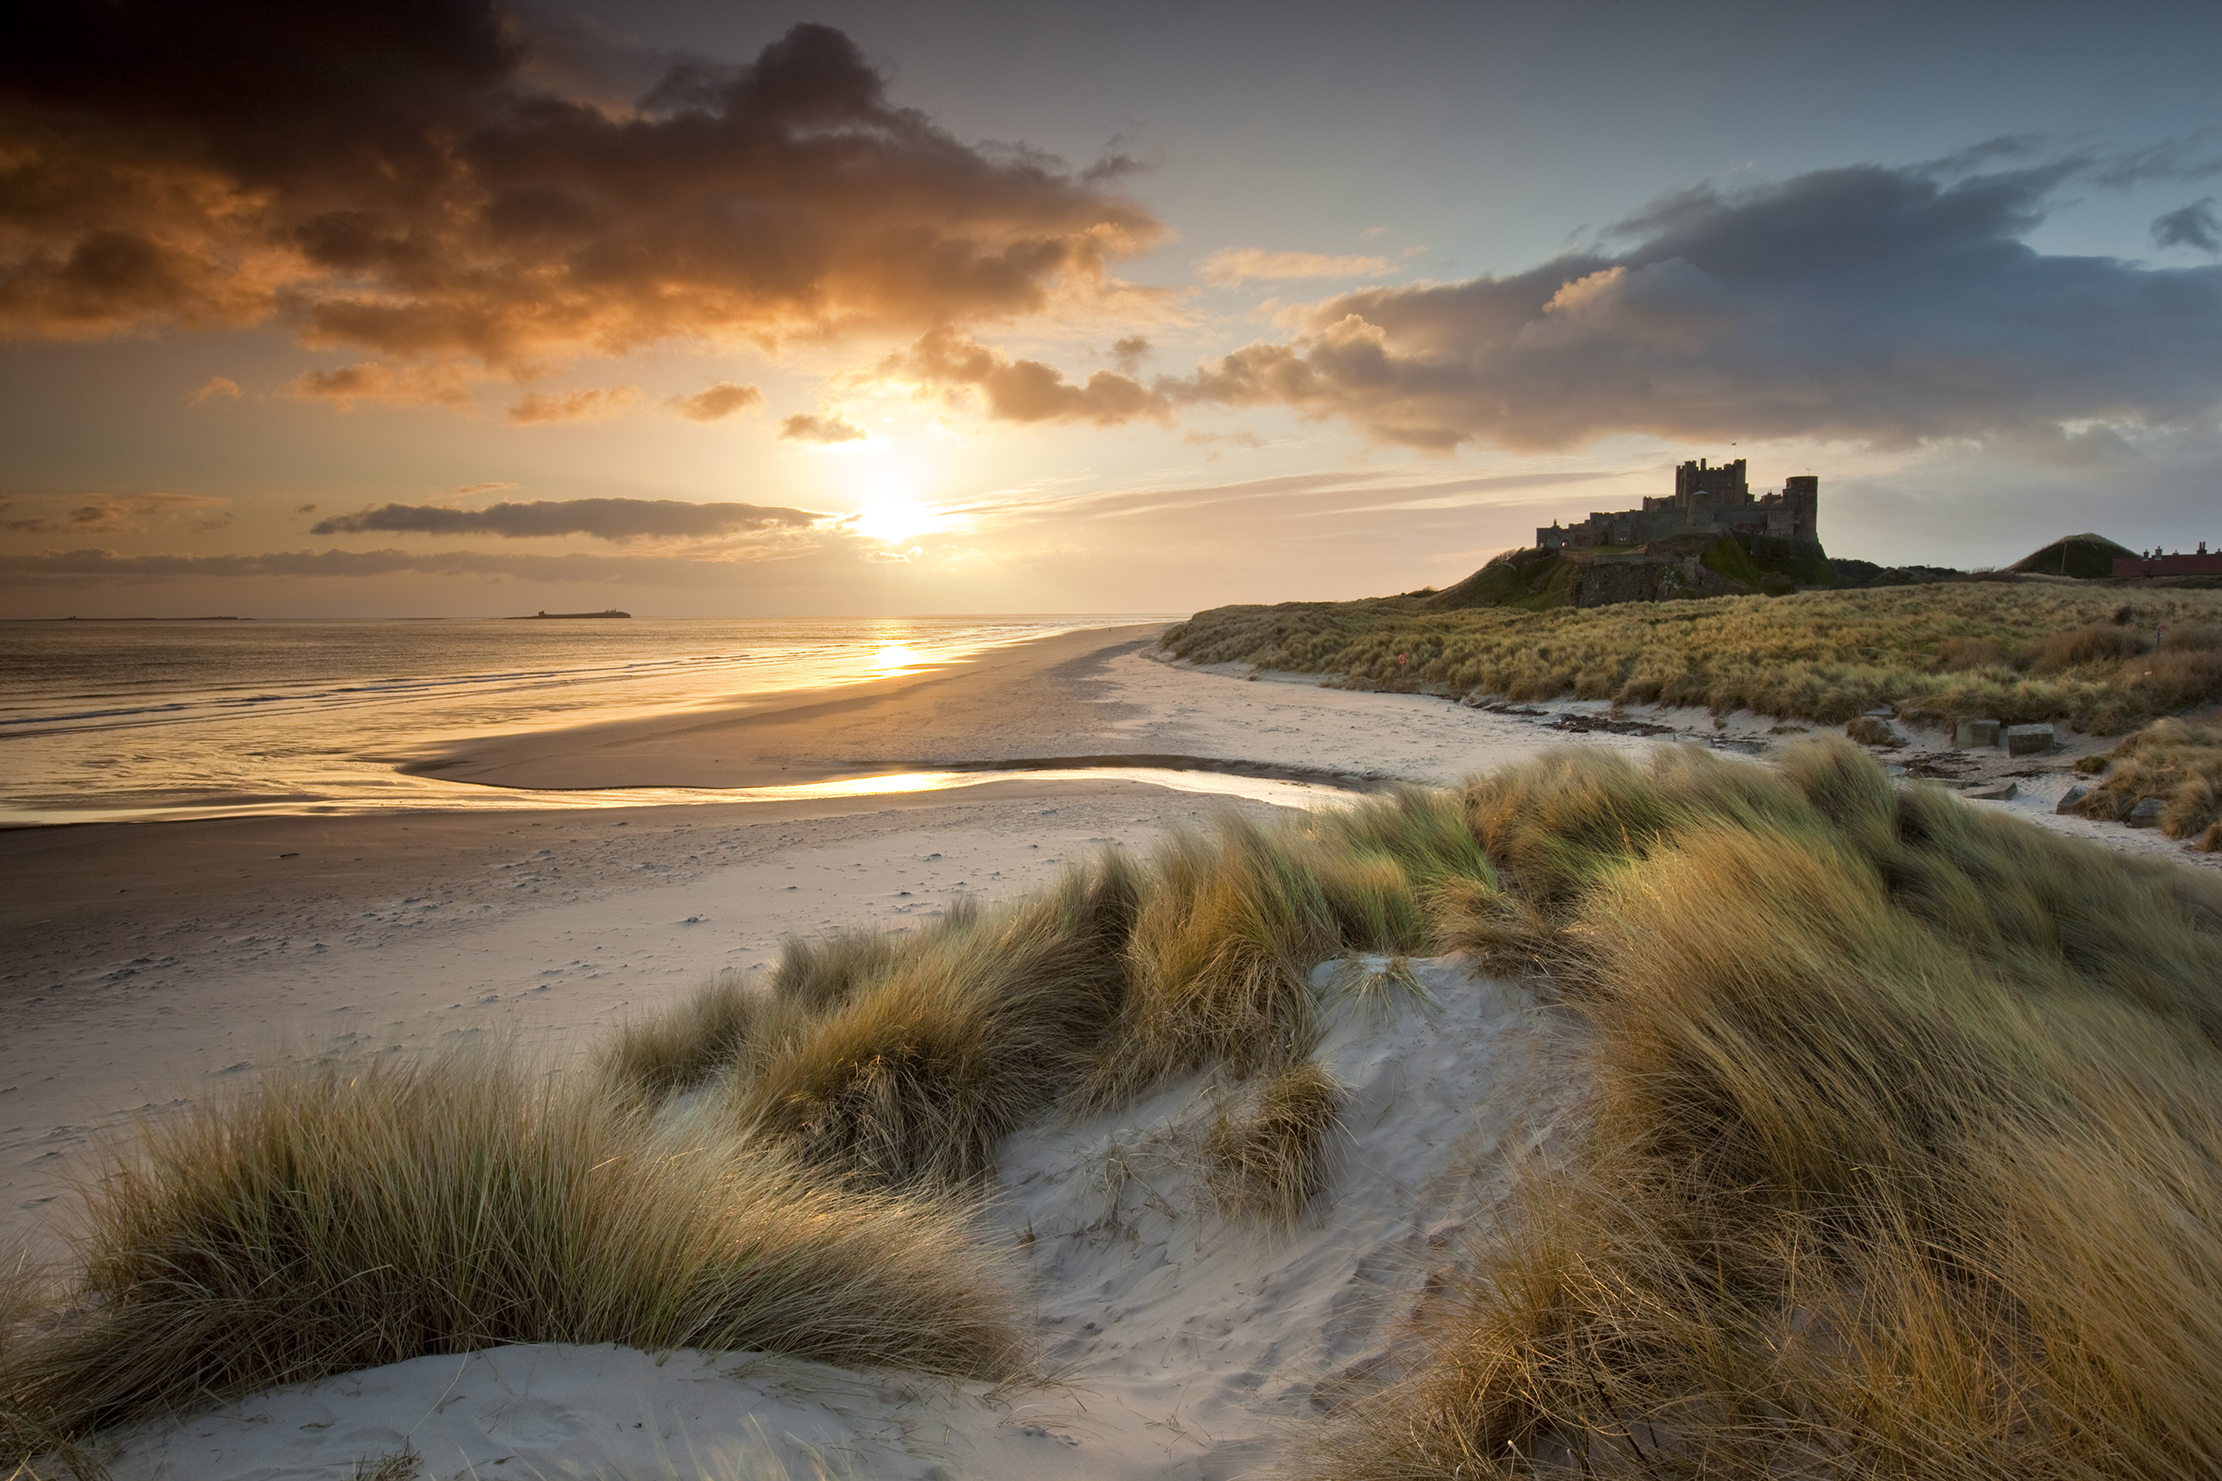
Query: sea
{"x": 147, "y": 721}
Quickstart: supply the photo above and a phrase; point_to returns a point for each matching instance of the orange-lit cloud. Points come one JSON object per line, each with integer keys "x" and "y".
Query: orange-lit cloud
{"x": 721, "y": 400}
{"x": 1025, "y": 390}
{"x": 542, "y": 408}
{"x": 408, "y": 182}
{"x": 604, "y": 519}
{"x": 216, "y": 386}
{"x": 1231, "y": 267}
{"x": 370, "y": 382}
{"x": 829, "y": 428}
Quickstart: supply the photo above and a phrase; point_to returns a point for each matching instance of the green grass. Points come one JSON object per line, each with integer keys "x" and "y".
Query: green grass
{"x": 2016, "y": 651}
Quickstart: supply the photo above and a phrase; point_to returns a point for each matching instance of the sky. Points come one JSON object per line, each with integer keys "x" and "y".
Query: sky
{"x": 436, "y": 308}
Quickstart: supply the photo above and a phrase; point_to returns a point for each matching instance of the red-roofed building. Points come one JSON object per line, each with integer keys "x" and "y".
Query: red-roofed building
{"x": 2199, "y": 563}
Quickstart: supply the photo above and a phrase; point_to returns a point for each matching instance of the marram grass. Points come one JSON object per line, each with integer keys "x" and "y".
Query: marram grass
{"x": 1903, "y": 1158}
{"x": 340, "y": 1220}
{"x": 2102, "y": 659}
{"x": 1902, "y": 1155}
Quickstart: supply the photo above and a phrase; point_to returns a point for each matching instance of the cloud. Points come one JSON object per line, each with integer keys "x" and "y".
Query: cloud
{"x": 605, "y": 519}
{"x": 113, "y": 514}
{"x": 1230, "y": 267}
{"x": 438, "y": 184}
{"x": 541, "y": 408}
{"x": 828, "y": 428}
{"x": 1129, "y": 353}
{"x": 1884, "y": 306}
{"x": 89, "y": 567}
{"x": 217, "y": 385}
{"x": 1023, "y": 390}
{"x": 384, "y": 385}
{"x": 2194, "y": 225}
{"x": 722, "y": 399}
{"x": 469, "y": 488}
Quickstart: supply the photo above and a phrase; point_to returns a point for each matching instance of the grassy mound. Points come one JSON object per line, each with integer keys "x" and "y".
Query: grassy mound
{"x": 1903, "y": 1158}
{"x": 2086, "y": 557}
{"x": 329, "y": 1222}
{"x": 2010, "y": 651}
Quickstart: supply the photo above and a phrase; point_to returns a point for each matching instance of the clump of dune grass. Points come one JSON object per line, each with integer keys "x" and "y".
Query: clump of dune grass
{"x": 321, "y": 1223}
{"x": 913, "y": 1074}
{"x": 2009, "y": 650}
{"x": 2177, "y": 760}
{"x": 1904, "y": 1156}
{"x": 1233, "y": 921}
{"x": 649, "y": 1059}
{"x": 1267, "y": 1152}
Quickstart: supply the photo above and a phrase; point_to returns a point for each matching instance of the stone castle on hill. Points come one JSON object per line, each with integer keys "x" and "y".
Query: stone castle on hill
{"x": 1705, "y": 501}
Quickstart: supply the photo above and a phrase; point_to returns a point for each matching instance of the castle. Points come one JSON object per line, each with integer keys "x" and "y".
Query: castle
{"x": 1705, "y": 501}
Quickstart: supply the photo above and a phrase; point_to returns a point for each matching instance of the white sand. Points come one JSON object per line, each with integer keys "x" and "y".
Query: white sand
{"x": 143, "y": 967}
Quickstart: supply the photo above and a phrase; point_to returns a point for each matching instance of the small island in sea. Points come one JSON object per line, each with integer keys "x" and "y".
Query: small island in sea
{"x": 550, "y": 616}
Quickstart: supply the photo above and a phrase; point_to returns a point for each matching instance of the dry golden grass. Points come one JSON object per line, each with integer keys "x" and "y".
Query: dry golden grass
{"x": 323, "y": 1223}
{"x": 1267, "y": 1152}
{"x": 650, "y": 1059}
{"x": 2012, "y": 650}
{"x": 2177, "y": 760}
{"x": 1905, "y": 1156}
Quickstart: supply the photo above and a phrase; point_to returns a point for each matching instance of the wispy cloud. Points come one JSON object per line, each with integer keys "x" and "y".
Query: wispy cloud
{"x": 115, "y": 514}
{"x": 722, "y": 399}
{"x": 1230, "y": 267}
{"x": 216, "y": 387}
{"x": 828, "y": 428}
{"x": 604, "y": 519}
{"x": 593, "y": 404}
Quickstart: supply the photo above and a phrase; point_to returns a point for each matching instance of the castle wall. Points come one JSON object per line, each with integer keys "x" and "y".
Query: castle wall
{"x": 1706, "y": 500}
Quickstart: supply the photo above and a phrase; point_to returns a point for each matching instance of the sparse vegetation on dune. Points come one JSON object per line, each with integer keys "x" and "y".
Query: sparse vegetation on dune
{"x": 2008, "y": 650}
{"x": 1903, "y": 1156}
{"x": 2178, "y": 761}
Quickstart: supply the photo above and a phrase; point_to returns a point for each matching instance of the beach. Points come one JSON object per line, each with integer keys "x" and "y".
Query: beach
{"x": 149, "y": 966}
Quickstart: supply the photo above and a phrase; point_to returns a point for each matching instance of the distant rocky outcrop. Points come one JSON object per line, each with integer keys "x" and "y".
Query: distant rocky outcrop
{"x": 1738, "y": 564}
{"x": 2085, "y": 557}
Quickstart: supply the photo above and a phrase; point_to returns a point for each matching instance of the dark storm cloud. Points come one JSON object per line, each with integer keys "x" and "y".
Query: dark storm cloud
{"x": 1884, "y": 306}
{"x": 2194, "y": 225}
{"x": 415, "y": 179}
{"x": 1879, "y": 305}
{"x": 605, "y": 519}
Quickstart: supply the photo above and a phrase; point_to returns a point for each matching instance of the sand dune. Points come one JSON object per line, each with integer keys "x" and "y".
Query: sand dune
{"x": 147, "y": 966}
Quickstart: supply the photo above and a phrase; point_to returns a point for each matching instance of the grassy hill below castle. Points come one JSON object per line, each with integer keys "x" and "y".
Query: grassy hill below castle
{"x": 2014, "y": 649}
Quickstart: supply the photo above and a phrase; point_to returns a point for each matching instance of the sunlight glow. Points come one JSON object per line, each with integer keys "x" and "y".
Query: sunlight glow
{"x": 894, "y": 520}
{"x": 894, "y": 656}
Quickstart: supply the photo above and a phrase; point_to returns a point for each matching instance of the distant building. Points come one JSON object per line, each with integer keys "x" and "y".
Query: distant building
{"x": 2179, "y": 564}
{"x": 1706, "y": 501}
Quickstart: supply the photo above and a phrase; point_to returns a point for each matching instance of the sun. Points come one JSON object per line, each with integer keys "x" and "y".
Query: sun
{"x": 895, "y": 520}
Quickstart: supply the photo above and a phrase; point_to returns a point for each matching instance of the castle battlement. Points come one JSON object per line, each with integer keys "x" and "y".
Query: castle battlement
{"x": 1707, "y": 500}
